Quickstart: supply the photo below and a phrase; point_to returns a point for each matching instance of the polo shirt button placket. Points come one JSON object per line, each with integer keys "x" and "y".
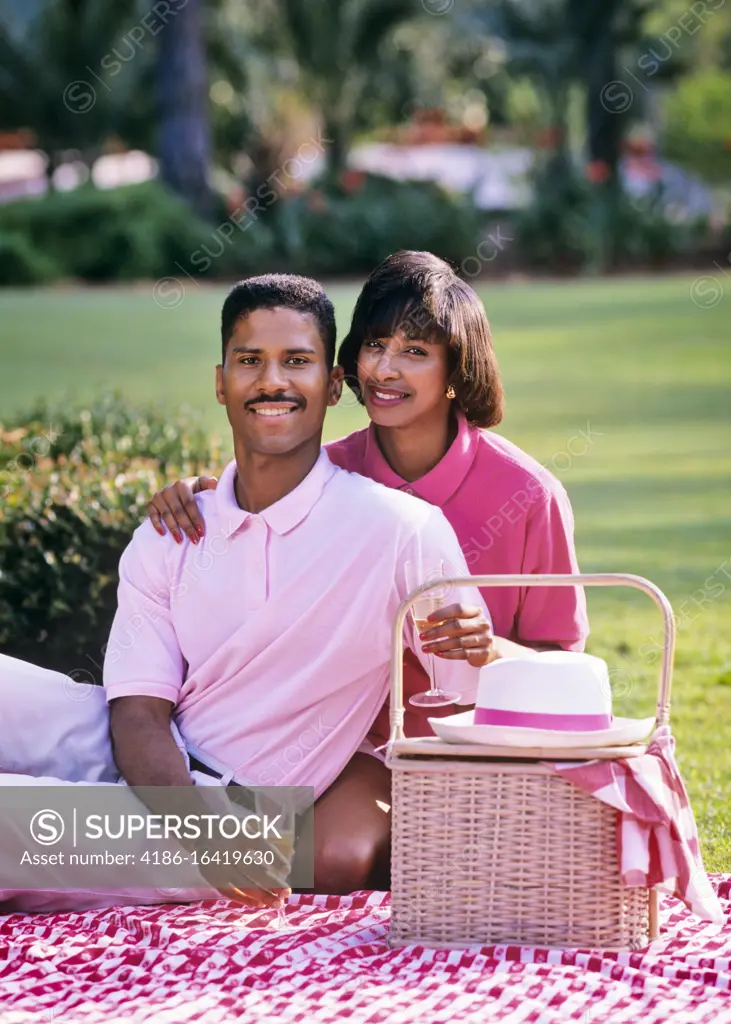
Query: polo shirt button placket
{"x": 257, "y": 574}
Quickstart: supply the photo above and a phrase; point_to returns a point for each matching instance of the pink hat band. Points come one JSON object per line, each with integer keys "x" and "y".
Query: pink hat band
{"x": 540, "y": 720}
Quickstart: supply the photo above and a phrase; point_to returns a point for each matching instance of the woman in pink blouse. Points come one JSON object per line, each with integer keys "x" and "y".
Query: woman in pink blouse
{"x": 419, "y": 357}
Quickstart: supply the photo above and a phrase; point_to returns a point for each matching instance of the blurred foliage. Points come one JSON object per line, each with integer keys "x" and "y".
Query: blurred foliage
{"x": 570, "y": 217}
{"x": 111, "y": 425}
{"x": 144, "y": 232}
{"x": 703, "y": 39}
{"x": 47, "y": 82}
{"x": 338, "y": 46}
{"x": 698, "y": 129}
{"x": 139, "y": 231}
{"x": 75, "y": 483}
{"x": 645, "y": 233}
{"x": 350, "y": 229}
{"x": 21, "y": 263}
{"x": 552, "y": 232}
{"x": 281, "y": 73}
{"x": 553, "y": 44}
{"x": 82, "y": 76}
{"x": 538, "y": 50}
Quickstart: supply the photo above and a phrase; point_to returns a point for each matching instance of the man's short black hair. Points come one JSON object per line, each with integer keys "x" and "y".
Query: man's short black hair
{"x": 289, "y": 291}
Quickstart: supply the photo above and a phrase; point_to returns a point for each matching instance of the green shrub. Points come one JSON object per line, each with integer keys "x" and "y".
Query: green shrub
{"x": 554, "y": 232}
{"x": 349, "y": 232}
{"x": 139, "y": 231}
{"x": 697, "y": 116}
{"x": 72, "y": 490}
{"x": 110, "y": 424}
{"x": 569, "y": 218}
{"x": 647, "y": 234}
{"x": 21, "y": 263}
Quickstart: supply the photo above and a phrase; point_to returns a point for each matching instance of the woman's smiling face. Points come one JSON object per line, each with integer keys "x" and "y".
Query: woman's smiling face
{"x": 403, "y": 380}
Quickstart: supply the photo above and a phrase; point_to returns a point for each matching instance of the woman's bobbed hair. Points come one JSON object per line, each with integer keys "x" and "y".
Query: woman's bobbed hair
{"x": 420, "y": 296}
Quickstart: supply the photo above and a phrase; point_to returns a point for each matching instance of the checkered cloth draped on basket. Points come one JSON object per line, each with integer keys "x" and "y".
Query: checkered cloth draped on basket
{"x": 657, "y": 836}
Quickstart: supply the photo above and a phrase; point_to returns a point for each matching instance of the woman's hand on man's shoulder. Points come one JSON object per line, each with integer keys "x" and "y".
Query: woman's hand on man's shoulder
{"x": 175, "y": 507}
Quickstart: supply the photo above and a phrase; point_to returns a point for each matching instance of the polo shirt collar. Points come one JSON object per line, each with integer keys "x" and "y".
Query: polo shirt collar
{"x": 284, "y": 514}
{"x": 440, "y": 483}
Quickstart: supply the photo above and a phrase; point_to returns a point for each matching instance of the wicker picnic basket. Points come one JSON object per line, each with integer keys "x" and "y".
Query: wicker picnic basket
{"x": 491, "y": 846}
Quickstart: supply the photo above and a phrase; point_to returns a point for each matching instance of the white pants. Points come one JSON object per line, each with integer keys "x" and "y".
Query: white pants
{"x": 54, "y": 731}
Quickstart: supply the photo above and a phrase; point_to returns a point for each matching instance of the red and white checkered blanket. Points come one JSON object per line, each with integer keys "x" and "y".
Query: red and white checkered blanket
{"x": 213, "y": 963}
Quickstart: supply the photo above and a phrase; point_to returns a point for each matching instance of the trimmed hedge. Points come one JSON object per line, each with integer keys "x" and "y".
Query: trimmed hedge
{"x": 343, "y": 231}
{"x": 21, "y": 263}
{"x": 561, "y": 229}
{"x": 142, "y": 231}
{"x": 139, "y": 231}
{"x": 73, "y": 487}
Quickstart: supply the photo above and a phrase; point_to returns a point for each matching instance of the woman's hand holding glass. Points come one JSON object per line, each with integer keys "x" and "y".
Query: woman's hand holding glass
{"x": 445, "y": 629}
{"x": 462, "y": 632}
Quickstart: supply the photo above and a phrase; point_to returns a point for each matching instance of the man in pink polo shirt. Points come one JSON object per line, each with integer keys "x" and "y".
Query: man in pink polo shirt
{"x": 266, "y": 643}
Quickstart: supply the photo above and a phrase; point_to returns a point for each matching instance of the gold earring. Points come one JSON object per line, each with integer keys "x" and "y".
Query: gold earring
{"x": 451, "y": 393}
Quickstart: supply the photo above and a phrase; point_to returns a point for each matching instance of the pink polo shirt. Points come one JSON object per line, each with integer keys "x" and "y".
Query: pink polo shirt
{"x": 511, "y": 515}
{"x": 273, "y": 635}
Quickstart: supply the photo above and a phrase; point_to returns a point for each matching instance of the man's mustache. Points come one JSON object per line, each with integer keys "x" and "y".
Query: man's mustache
{"x": 275, "y": 400}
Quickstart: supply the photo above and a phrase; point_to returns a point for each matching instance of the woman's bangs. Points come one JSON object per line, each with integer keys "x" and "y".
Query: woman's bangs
{"x": 407, "y": 315}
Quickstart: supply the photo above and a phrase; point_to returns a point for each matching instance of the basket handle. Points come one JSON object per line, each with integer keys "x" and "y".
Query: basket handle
{"x": 605, "y": 579}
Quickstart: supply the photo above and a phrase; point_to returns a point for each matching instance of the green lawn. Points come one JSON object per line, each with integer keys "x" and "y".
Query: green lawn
{"x": 644, "y": 372}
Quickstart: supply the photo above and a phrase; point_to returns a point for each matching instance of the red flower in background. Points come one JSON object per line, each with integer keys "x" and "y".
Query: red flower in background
{"x": 549, "y": 138}
{"x": 316, "y": 201}
{"x": 352, "y": 181}
{"x": 598, "y": 171}
{"x": 640, "y": 146}
{"x": 235, "y": 198}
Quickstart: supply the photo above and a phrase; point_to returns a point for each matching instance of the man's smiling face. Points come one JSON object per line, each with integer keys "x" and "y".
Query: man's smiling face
{"x": 275, "y": 381}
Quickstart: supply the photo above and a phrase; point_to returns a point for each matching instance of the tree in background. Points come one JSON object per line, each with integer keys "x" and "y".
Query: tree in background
{"x": 540, "y": 49}
{"x": 81, "y": 75}
{"x": 55, "y": 77}
{"x": 601, "y": 32}
{"x": 259, "y": 115}
{"x": 695, "y": 116}
{"x": 337, "y": 46}
{"x": 185, "y": 145}
{"x": 698, "y": 129}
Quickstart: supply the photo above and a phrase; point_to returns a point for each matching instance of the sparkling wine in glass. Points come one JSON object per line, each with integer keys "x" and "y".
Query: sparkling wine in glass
{"x": 417, "y": 573}
{"x": 285, "y": 843}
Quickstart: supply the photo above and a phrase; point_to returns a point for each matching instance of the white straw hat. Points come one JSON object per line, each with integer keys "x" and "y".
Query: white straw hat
{"x": 553, "y": 699}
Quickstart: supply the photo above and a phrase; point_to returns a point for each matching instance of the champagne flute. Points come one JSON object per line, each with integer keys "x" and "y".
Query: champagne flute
{"x": 265, "y": 804}
{"x": 417, "y": 573}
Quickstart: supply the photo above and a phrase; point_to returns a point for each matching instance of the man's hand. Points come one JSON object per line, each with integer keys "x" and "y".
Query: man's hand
{"x": 257, "y": 899}
{"x": 460, "y": 632}
{"x": 251, "y": 871}
{"x": 247, "y": 885}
